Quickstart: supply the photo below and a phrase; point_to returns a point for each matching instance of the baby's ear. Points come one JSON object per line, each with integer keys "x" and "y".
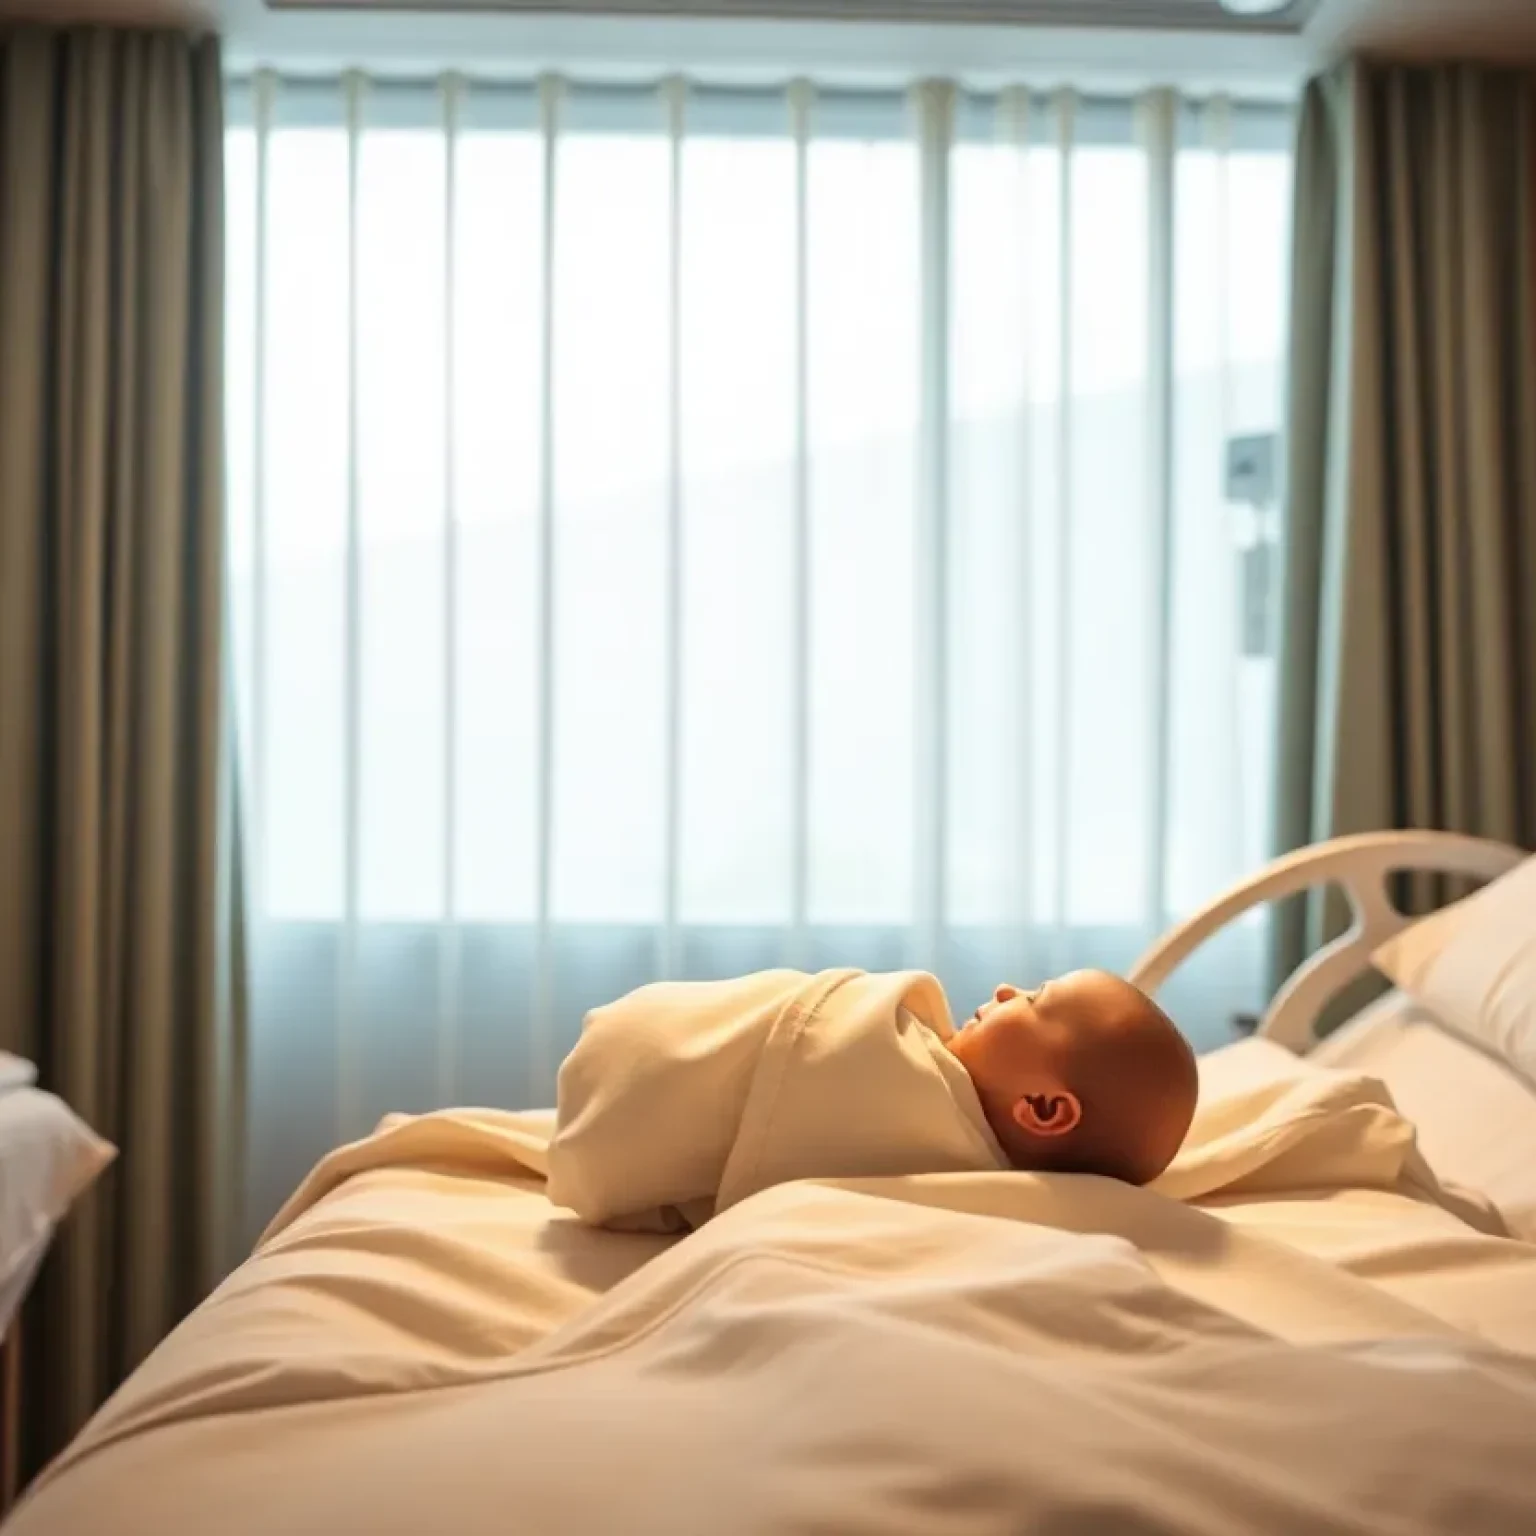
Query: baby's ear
{"x": 1048, "y": 1114}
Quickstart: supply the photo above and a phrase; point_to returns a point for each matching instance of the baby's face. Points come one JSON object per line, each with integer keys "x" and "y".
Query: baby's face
{"x": 1047, "y": 1016}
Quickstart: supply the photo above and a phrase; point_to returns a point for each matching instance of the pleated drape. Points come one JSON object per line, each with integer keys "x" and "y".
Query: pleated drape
{"x": 113, "y": 967}
{"x": 1409, "y": 672}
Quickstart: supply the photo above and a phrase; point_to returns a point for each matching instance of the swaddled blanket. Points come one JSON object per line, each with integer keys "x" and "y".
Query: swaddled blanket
{"x": 682, "y": 1099}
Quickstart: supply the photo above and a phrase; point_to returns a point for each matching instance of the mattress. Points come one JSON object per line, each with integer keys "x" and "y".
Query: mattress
{"x": 424, "y": 1342}
{"x": 1476, "y": 1118}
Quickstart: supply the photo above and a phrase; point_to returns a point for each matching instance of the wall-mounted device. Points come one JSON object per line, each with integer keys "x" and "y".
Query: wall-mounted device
{"x": 1253, "y": 489}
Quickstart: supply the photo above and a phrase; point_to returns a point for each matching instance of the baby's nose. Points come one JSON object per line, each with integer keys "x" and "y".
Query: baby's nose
{"x": 1004, "y": 993}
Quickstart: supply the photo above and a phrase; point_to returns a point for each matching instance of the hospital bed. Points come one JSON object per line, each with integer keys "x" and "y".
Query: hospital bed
{"x": 1475, "y": 1116}
{"x": 1327, "y": 1342}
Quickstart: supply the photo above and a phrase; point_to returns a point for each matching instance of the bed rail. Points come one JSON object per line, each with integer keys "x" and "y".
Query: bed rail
{"x": 1361, "y": 865}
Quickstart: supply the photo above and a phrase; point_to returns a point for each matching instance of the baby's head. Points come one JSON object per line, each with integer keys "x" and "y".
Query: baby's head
{"x": 1086, "y": 1074}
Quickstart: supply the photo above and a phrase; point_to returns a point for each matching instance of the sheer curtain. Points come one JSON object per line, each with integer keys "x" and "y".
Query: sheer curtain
{"x": 684, "y": 530}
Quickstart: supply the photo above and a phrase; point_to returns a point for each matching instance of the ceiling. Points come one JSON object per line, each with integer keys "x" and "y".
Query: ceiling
{"x": 1194, "y": 44}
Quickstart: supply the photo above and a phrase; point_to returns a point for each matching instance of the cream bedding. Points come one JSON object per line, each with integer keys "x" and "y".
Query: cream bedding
{"x": 1416, "y": 1239}
{"x": 423, "y": 1342}
{"x": 1475, "y": 1117}
{"x": 683, "y": 1098}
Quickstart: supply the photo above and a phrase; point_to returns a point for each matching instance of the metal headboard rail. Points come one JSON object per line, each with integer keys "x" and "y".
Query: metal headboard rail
{"x": 1361, "y": 866}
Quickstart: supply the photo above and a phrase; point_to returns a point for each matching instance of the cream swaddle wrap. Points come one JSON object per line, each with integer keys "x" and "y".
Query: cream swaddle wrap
{"x": 683, "y": 1098}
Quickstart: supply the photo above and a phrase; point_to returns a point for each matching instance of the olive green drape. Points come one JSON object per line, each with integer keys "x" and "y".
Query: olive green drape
{"x": 111, "y": 660}
{"x": 1409, "y": 661}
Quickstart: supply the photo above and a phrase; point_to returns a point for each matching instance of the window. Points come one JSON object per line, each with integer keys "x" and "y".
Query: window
{"x": 682, "y": 531}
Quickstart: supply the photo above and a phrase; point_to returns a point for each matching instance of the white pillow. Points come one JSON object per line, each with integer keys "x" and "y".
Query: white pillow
{"x": 1473, "y": 965}
{"x": 48, "y": 1158}
{"x": 15, "y": 1072}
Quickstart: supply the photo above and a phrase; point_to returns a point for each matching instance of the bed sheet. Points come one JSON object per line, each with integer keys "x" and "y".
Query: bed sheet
{"x": 423, "y": 1342}
{"x": 1475, "y": 1117}
{"x": 961, "y": 1353}
{"x": 1423, "y": 1251}
{"x": 404, "y": 1275}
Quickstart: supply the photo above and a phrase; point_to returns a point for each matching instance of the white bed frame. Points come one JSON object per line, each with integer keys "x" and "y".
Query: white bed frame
{"x": 1361, "y": 866}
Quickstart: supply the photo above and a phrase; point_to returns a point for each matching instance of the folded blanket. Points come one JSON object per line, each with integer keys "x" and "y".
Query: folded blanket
{"x": 682, "y": 1099}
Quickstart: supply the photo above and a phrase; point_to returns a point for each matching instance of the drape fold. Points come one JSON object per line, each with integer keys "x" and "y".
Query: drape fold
{"x": 114, "y": 971}
{"x": 1409, "y": 665}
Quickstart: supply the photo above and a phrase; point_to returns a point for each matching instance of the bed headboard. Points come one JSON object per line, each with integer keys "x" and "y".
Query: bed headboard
{"x": 1361, "y": 866}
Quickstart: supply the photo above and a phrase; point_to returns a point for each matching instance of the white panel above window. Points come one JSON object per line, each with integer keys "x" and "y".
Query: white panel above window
{"x": 1202, "y": 15}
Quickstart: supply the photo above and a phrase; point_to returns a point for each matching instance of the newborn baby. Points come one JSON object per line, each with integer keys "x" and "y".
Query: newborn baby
{"x": 1086, "y": 1074}
{"x": 683, "y": 1098}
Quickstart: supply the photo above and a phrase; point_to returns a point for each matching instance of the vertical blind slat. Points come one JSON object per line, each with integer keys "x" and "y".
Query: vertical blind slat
{"x": 1066, "y": 119}
{"x": 448, "y": 931}
{"x": 935, "y": 103}
{"x": 540, "y": 1033}
{"x": 265, "y": 89}
{"x": 348, "y": 1053}
{"x": 1159, "y": 128}
{"x": 801, "y": 103}
{"x": 1015, "y": 124}
{"x": 674, "y": 102}
{"x": 1218, "y": 135}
